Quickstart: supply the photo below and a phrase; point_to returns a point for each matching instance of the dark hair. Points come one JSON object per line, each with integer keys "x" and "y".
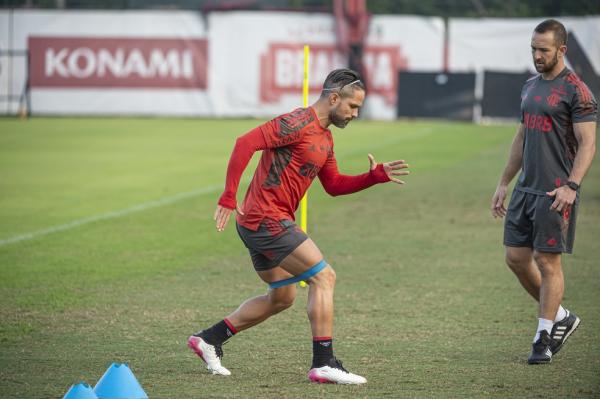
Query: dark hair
{"x": 344, "y": 81}
{"x": 560, "y": 33}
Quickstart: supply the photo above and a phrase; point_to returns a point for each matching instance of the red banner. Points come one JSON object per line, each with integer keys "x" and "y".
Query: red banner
{"x": 281, "y": 69}
{"x": 118, "y": 62}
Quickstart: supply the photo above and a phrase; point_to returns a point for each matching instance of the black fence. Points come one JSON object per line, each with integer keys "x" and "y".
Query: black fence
{"x": 453, "y": 95}
{"x": 436, "y": 95}
{"x": 502, "y": 94}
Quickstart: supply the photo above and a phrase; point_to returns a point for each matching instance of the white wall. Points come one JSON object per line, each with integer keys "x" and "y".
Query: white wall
{"x": 240, "y": 63}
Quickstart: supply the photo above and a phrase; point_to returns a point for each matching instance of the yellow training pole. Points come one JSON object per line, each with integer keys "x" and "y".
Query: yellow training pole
{"x": 304, "y": 201}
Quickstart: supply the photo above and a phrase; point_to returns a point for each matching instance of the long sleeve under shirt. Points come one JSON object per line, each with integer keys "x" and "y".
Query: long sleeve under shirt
{"x": 296, "y": 149}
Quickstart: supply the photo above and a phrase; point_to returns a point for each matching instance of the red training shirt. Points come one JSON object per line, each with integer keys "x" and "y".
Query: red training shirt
{"x": 296, "y": 149}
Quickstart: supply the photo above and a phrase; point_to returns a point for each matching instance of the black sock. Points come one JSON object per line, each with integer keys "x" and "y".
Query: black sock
{"x": 322, "y": 351}
{"x": 218, "y": 333}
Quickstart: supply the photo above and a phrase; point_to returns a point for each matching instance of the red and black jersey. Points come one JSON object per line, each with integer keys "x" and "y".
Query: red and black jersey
{"x": 549, "y": 108}
{"x": 296, "y": 149}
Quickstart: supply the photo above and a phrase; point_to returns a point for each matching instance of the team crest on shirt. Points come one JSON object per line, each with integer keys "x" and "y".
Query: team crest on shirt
{"x": 557, "y": 95}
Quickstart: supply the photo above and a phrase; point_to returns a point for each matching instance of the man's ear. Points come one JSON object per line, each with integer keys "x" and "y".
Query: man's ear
{"x": 334, "y": 98}
{"x": 562, "y": 50}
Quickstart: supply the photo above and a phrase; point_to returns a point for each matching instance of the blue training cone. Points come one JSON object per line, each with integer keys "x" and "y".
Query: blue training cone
{"x": 80, "y": 391}
{"x": 119, "y": 383}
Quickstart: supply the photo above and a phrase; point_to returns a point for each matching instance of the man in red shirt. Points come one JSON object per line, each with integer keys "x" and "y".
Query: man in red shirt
{"x": 296, "y": 148}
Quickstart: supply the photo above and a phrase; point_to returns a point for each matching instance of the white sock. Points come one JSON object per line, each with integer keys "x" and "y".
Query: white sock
{"x": 561, "y": 314}
{"x": 543, "y": 324}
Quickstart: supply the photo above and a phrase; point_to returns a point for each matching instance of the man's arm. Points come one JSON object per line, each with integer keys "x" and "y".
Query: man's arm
{"x": 336, "y": 183}
{"x": 514, "y": 164}
{"x": 263, "y": 137}
{"x": 245, "y": 147}
{"x": 585, "y": 133}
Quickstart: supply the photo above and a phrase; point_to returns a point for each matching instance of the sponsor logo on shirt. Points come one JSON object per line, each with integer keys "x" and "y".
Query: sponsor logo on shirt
{"x": 541, "y": 123}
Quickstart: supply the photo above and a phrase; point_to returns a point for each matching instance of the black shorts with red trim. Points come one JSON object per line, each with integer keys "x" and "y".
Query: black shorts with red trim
{"x": 531, "y": 223}
{"x": 272, "y": 242}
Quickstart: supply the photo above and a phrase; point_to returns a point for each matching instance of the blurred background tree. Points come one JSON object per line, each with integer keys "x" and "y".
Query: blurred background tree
{"x": 444, "y": 8}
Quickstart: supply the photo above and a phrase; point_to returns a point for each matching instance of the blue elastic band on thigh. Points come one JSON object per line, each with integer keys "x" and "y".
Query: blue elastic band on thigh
{"x": 304, "y": 276}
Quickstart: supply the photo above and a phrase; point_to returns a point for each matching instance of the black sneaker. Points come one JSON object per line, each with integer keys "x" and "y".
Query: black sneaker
{"x": 541, "y": 352}
{"x": 561, "y": 330}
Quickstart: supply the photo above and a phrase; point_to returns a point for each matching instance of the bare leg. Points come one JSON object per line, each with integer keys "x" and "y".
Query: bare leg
{"x": 325, "y": 367}
{"x": 552, "y": 287}
{"x": 520, "y": 261}
{"x": 258, "y": 309}
{"x": 320, "y": 303}
{"x": 320, "y": 295}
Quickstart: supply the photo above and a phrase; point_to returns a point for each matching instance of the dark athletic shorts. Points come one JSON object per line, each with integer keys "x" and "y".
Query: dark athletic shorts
{"x": 531, "y": 223}
{"x": 272, "y": 242}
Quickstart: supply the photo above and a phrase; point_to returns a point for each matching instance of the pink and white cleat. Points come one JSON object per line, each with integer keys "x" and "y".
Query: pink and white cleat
{"x": 334, "y": 373}
{"x": 211, "y": 354}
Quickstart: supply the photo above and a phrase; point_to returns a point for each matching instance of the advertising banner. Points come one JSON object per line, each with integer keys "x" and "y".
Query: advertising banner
{"x": 242, "y": 63}
{"x": 116, "y": 63}
{"x": 261, "y": 73}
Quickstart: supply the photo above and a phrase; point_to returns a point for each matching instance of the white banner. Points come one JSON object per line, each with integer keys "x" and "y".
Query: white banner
{"x": 9, "y": 67}
{"x": 260, "y": 73}
{"x": 505, "y": 44}
{"x": 239, "y": 63}
{"x": 115, "y": 63}
{"x": 417, "y": 42}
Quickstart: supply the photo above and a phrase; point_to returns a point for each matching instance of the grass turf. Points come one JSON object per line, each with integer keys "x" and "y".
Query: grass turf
{"x": 425, "y": 306}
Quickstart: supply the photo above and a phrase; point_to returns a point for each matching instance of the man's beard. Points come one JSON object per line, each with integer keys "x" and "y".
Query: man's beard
{"x": 337, "y": 120}
{"x": 546, "y": 67}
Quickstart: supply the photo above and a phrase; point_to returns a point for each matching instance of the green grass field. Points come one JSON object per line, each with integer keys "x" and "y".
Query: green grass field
{"x": 108, "y": 253}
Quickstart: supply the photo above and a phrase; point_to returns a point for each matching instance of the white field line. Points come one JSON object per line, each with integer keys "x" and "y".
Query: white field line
{"x": 167, "y": 200}
{"x": 114, "y": 214}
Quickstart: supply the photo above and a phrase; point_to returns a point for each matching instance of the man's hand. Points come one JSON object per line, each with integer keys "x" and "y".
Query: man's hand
{"x": 497, "y": 208}
{"x": 564, "y": 197}
{"x": 391, "y": 169}
{"x": 222, "y": 216}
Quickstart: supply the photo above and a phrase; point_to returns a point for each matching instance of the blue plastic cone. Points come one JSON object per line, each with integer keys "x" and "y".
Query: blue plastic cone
{"x": 80, "y": 391}
{"x": 119, "y": 383}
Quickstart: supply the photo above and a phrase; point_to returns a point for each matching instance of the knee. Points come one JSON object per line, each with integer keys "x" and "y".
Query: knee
{"x": 282, "y": 300}
{"x": 325, "y": 278}
{"x": 547, "y": 264}
{"x": 516, "y": 263}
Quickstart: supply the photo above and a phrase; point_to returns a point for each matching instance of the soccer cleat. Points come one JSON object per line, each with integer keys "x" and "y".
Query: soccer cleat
{"x": 334, "y": 373}
{"x": 541, "y": 353}
{"x": 561, "y": 330}
{"x": 211, "y": 354}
